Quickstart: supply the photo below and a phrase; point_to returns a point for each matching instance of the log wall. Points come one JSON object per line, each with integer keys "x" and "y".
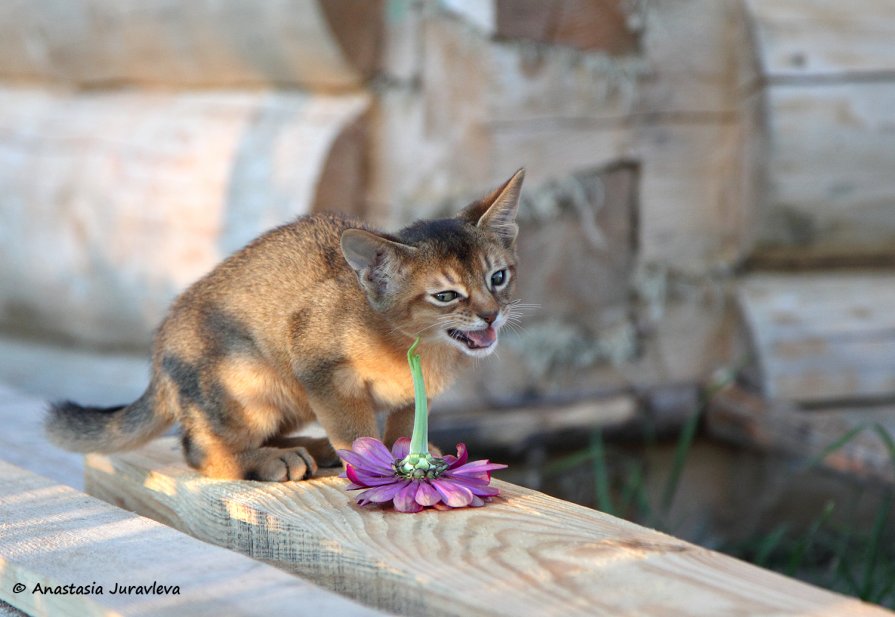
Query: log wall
{"x": 159, "y": 136}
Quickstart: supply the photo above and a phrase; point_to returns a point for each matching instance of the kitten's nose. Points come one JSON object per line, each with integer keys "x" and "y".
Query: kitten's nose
{"x": 489, "y": 317}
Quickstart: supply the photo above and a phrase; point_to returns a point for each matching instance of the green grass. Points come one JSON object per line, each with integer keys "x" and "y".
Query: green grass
{"x": 851, "y": 558}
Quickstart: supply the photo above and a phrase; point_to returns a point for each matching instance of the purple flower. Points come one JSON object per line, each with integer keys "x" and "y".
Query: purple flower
{"x": 386, "y": 476}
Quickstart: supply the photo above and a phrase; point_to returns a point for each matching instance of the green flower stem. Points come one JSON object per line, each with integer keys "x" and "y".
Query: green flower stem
{"x": 419, "y": 442}
{"x": 418, "y": 463}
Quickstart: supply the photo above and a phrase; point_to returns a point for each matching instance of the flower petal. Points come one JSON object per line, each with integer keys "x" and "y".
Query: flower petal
{"x": 477, "y": 502}
{"x": 462, "y": 456}
{"x": 367, "y": 479}
{"x": 359, "y": 461}
{"x": 453, "y": 494}
{"x": 477, "y": 467}
{"x": 476, "y": 486}
{"x": 468, "y": 480}
{"x": 401, "y": 448}
{"x": 351, "y": 474}
{"x": 426, "y": 495}
{"x": 373, "y": 450}
{"x": 405, "y": 499}
{"x": 381, "y": 494}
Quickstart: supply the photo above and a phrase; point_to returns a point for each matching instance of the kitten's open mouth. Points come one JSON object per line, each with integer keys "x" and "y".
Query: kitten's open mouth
{"x": 475, "y": 339}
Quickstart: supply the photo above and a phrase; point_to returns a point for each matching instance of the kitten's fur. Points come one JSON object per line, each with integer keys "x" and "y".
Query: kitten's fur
{"x": 313, "y": 321}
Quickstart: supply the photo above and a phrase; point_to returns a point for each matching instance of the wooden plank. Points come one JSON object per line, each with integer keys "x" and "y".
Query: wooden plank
{"x": 52, "y": 535}
{"x": 524, "y": 554}
{"x": 297, "y": 43}
{"x": 22, "y": 441}
{"x": 46, "y": 370}
{"x": 823, "y": 39}
{"x": 821, "y": 337}
{"x": 148, "y": 191}
{"x": 829, "y": 164}
{"x": 7, "y": 610}
{"x": 745, "y": 418}
{"x": 690, "y": 195}
{"x": 699, "y": 57}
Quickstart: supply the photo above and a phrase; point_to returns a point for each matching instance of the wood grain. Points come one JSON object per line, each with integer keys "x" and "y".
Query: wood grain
{"x": 52, "y": 535}
{"x": 823, "y": 39}
{"x": 829, "y": 160}
{"x": 822, "y": 337}
{"x": 524, "y": 554}
{"x": 285, "y": 43}
{"x": 23, "y": 443}
{"x": 148, "y": 191}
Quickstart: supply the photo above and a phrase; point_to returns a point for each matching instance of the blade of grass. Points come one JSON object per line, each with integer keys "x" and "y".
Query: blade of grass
{"x": 807, "y": 540}
{"x": 575, "y": 459}
{"x": 844, "y": 570}
{"x": 845, "y": 573}
{"x": 886, "y": 592}
{"x": 889, "y": 442}
{"x": 601, "y": 473}
{"x": 836, "y": 445}
{"x": 633, "y": 486}
{"x": 634, "y": 493}
{"x": 871, "y": 554}
{"x": 685, "y": 441}
{"x": 767, "y": 544}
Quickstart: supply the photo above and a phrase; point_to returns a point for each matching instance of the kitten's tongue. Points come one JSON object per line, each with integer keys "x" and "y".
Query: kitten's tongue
{"x": 482, "y": 338}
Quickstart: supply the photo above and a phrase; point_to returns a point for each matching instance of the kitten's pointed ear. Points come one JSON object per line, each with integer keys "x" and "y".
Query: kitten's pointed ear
{"x": 375, "y": 259}
{"x": 497, "y": 211}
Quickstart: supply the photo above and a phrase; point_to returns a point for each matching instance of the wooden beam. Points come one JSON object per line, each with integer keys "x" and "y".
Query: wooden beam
{"x": 526, "y": 553}
{"x": 52, "y": 535}
{"x": 316, "y": 45}
{"x": 822, "y": 337}
{"x": 747, "y": 419}
{"x": 194, "y": 177}
{"x": 829, "y": 170}
{"x": 23, "y": 443}
{"x": 823, "y": 39}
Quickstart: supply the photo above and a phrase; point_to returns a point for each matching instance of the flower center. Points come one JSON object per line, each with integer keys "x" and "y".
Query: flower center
{"x": 418, "y": 466}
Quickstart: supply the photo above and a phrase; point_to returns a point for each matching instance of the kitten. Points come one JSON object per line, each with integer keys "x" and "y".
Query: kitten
{"x": 312, "y": 321}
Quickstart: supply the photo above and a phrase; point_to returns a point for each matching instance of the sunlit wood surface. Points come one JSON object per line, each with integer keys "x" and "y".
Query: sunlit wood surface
{"x": 524, "y": 554}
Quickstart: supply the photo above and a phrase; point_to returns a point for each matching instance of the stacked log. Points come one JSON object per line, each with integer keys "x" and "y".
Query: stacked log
{"x": 142, "y": 142}
{"x": 828, "y": 75}
{"x": 316, "y": 45}
{"x": 115, "y": 202}
{"x": 684, "y": 134}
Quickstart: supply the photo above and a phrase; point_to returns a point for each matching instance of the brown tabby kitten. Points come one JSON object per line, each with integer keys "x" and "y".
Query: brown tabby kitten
{"x": 313, "y": 321}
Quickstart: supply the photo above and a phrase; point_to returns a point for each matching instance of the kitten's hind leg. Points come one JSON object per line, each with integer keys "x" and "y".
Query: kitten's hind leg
{"x": 217, "y": 459}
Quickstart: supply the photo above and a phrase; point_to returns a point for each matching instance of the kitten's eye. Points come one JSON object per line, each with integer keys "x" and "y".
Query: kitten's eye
{"x": 498, "y": 279}
{"x": 446, "y": 296}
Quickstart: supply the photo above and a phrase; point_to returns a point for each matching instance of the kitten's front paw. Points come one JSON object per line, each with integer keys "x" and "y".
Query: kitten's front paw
{"x": 281, "y": 465}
